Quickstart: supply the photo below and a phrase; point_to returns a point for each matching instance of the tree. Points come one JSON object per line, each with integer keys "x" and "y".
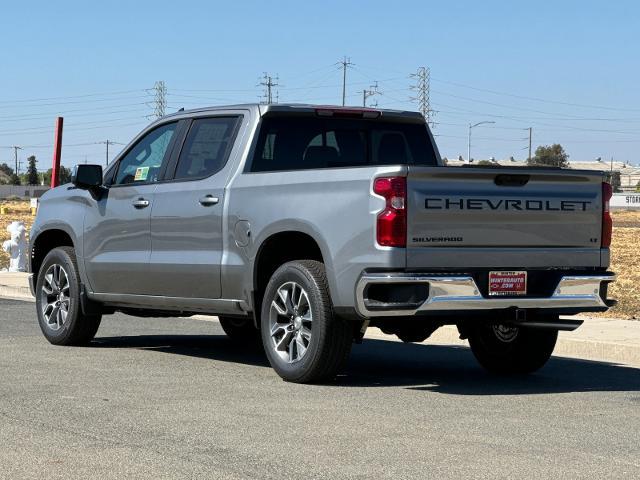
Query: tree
{"x": 550, "y": 156}
{"x": 485, "y": 162}
{"x": 65, "y": 176}
{"x": 32, "y": 171}
{"x": 6, "y": 169}
{"x": 15, "y": 179}
{"x": 613, "y": 177}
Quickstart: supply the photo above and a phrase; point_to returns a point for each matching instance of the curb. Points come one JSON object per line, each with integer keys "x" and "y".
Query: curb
{"x": 16, "y": 293}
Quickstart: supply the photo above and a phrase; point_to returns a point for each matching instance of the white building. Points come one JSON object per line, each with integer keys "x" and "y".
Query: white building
{"x": 629, "y": 174}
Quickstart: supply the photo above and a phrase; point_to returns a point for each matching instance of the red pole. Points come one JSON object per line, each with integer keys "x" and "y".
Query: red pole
{"x": 57, "y": 151}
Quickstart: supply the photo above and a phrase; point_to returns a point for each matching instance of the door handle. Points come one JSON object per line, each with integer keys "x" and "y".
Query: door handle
{"x": 140, "y": 203}
{"x": 209, "y": 200}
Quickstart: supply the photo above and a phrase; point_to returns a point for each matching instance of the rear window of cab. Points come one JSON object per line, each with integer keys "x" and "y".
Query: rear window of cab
{"x": 301, "y": 143}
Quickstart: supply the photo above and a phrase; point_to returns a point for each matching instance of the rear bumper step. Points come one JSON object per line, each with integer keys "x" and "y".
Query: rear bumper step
{"x": 460, "y": 292}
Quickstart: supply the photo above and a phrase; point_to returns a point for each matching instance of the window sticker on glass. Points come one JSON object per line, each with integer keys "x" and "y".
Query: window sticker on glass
{"x": 141, "y": 174}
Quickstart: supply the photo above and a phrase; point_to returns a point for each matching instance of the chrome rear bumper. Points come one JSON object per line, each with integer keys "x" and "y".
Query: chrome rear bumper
{"x": 450, "y": 293}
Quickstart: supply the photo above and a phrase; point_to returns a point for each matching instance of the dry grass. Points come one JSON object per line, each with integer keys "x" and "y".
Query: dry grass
{"x": 624, "y": 255}
{"x": 625, "y": 261}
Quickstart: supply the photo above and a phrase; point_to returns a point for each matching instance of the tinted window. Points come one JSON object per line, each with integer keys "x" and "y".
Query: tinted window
{"x": 207, "y": 147}
{"x": 287, "y": 143}
{"x": 142, "y": 163}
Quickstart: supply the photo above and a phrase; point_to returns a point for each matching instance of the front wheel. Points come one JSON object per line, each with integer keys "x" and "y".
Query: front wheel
{"x": 58, "y": 301}
{"x": 303, "y": 339}
{"x": 506, "y": 349}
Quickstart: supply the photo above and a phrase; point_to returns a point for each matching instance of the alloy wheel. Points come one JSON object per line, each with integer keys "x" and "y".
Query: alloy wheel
{"x": 290, "y": 322}
{"x": 54, "y": 297}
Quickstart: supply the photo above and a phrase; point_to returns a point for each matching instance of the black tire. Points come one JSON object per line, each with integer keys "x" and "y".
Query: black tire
{"x": 76, "y": 328}
{"x": 512, "y": 350}
{"x": 412, "y": 337}
{"x": 240, "y": 330}
{"x": 326, "y": 351}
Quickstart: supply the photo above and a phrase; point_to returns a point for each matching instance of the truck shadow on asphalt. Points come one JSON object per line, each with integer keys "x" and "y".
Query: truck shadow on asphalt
{"x": 380, "y": 363}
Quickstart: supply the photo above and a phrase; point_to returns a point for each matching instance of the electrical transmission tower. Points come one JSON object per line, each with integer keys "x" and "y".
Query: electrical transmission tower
{"x": 373, "y": 90}
{"x": 269, "y": 83}
{"x": 159, "y": 103}
{"x": 423, "y": 78}
{"x": 344, "y": 64}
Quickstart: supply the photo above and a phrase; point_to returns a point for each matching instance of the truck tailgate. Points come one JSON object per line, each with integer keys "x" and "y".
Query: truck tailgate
{"x": 503, "y": 217}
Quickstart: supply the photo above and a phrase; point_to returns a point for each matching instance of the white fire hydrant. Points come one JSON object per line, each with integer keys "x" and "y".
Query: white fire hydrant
{"x": 17, "y": 247}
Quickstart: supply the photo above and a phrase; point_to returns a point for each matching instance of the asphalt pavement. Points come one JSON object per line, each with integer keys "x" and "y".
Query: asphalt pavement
{"x": 174, "y": 398}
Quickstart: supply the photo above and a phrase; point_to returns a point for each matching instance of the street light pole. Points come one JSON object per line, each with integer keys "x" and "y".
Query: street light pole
{"x": 469, "y": 144}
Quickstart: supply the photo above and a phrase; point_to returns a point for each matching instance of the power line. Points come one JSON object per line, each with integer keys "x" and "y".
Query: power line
{"x": 40, "y": 105}
{"x": 344, "y": 64}
{"x": 537, "y": 99}
{"x": 29, "y": 100}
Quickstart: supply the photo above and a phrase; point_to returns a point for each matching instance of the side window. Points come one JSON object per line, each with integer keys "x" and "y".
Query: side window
{"x": 207, "y": 147}
{"x": 142, "y": 163}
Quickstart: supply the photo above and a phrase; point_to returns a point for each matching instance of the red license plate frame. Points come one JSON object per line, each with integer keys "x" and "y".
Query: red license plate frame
{"x": 507, "y": 283}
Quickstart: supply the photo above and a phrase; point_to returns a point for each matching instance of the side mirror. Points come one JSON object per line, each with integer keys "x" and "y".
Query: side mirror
{"x": 87, "y": 177}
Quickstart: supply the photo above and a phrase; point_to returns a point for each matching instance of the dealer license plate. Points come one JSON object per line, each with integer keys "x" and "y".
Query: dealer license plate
{"x": 507, "y": 283}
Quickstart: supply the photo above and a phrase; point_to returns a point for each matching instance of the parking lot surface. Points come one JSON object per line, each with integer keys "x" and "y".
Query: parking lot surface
{"x": 174, "y": 398}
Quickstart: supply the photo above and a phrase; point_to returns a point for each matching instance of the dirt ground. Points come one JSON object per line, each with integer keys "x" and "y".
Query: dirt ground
{"x": 624, "y": 255}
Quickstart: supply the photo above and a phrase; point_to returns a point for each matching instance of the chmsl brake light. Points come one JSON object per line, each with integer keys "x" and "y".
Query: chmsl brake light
{"x": 607, "y": 222}
{"x": 347, "y": 112}
{"x": 391, "y": 225}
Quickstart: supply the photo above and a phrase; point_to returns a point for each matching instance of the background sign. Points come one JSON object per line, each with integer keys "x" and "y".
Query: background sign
{"x": 625, "y": 200}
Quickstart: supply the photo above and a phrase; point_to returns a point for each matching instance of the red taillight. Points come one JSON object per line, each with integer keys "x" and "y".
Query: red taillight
{"x": 347, "y": 112}
{"x": 607, "y": 222}
{"x": 391, "y": 228}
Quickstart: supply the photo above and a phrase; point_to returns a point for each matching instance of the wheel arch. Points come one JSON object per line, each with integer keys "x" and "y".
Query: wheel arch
{"x": 44, "y": 242}
{"x": 280, "y": 247}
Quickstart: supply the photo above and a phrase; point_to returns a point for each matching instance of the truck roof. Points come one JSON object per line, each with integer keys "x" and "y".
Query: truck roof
{"x": 301, "y": 108}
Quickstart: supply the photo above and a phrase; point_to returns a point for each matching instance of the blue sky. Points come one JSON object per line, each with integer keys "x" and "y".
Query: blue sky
{"x": 568, "y": 69}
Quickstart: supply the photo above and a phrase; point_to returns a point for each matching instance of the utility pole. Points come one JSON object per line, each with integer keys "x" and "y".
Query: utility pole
{"x": 269, "y": 83}
{"x": 530, "y": 132}
{"x": 373, "y": 90}
{"x": 159, "y": 100}
{"x": 422, "y": 88}
{"x": 344, "y": 64}
{"x": 107, "y": 143}
{"x": 15, "y": 154}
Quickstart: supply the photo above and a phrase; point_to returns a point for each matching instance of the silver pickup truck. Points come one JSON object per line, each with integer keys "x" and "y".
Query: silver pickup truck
{"x": 303, "y": 225}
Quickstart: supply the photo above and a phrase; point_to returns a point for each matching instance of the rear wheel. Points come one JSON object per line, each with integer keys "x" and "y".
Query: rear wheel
{"x": 506, "y": 349}
{"x": 241, "y": 330}
{"x": 58, "y": 301}
{"x": 303, "y": 339}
